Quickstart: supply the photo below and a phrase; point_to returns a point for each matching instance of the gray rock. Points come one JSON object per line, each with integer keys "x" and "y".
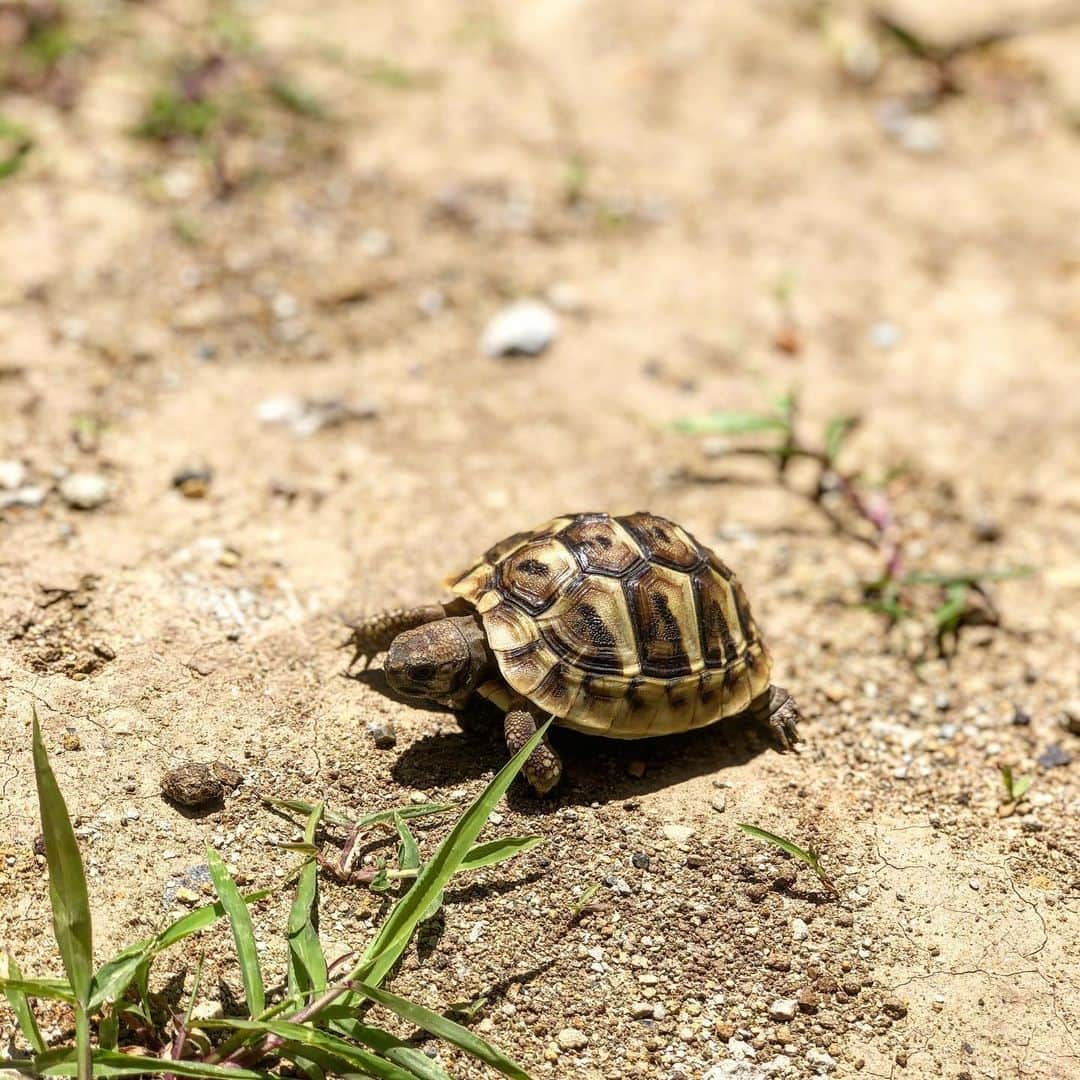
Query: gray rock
{"x": 1054, "y": 756}
{"x": 382, "y": 734}
{"x": 526, "y": 328}
{"x": 85, "y": 491}
{"x": 799, "y": 930}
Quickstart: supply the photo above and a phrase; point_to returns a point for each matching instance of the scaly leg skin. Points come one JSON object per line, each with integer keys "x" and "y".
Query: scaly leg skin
{"x": 543, "y": 767}
{"x": 783, "y": 718}
{"x": 373, "y": 634}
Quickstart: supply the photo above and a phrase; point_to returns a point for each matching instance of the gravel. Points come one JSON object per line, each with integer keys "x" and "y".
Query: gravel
{"x": 572, "y": 1039}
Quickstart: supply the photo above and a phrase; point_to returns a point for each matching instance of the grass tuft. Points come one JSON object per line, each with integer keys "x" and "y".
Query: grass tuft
{"x": 809, "y": 856}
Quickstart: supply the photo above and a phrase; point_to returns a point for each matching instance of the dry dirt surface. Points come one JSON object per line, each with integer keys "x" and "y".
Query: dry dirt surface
{"x": 255, "y": 327}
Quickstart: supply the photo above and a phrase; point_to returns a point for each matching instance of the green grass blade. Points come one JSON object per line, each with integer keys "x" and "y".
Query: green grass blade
{"x": 729, "y": 423}
{"x": 317, "y": 1044}
{"x": 397, "y": 930}
{"x": 409, "y": 854}
{"x": 967, "y": 577}
{"x": 67, "y": 881}
{"x": 778, "y": 841}
{"x": 440, "y": 1026}
{"x": 52, "y": 989}
{"x": 307, "y": 964}
{"x": 243, "y": 932}
{"x": 20, "y": 1005}
{"x": 62, "y": 1062}
{"x": 379, "y": 817}
{"x": 114, "y": 976}
{"x": 497, "y": 851}
{"x": 410, "y": 1058}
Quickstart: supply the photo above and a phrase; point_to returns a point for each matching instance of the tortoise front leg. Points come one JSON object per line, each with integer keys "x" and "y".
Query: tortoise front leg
{"x": 543, "y": 767}
{"x": 373, "y": 634}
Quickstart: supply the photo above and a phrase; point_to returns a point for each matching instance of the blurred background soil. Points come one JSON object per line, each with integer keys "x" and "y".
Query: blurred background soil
{"x": 247, "y": 255}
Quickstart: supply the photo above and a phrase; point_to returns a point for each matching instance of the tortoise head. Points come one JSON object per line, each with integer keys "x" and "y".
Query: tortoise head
{"x": 442, "y": 661}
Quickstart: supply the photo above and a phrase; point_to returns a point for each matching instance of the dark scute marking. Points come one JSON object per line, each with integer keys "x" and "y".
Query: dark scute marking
{"x": 523, "y": 651}
{"x": 717, "y": 644}
{"x": 742, "y": 610}
{"x": 555, "y": 685}
{"x": 594, "y": 628}
{"x": 660, "y": 543}
{"x": 662, "y": 649}
{"x": 534, "y": 567}
{"x": 633, "y": 695}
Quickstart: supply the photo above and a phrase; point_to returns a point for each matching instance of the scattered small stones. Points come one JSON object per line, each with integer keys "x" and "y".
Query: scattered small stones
{"x": 197, "y": 784}
{"x": 193, "y": 481}
{"x": 382, "y": 734}
{"x": 84, "y": 491}
{"x": 572, "y": 1039}
{"x": 525, "y": 328}
{"x": 784, "y": 1009}
{"x": 1054, "y": 756}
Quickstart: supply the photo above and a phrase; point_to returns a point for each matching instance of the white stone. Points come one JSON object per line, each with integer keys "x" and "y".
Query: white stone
{"x": 526, "y": 328}
{"x": 799, "y": 930}
{"x": 784, "y": 1009}
{"x": 84, "y": 491}
{"x": 572, "y": 1039}
{"x": 678, "y": 834}
{"x": 12, "y": 475}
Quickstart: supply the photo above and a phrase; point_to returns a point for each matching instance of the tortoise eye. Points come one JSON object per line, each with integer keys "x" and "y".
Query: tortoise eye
{"x": 423, "y": 672}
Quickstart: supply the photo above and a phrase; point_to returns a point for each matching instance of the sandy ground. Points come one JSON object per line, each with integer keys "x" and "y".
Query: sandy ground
{"x": 721, "y": 214}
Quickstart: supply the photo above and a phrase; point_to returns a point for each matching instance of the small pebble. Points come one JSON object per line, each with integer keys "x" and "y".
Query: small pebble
{"x": 192, "y": 785}
{"x": 799, "y": 930}
{"x": 884, "y": 335}
{"x": 1020, "y": 718}
{"x": 1070, "y": 717}
{"x": 12, "y": 475}
{"x": 572, "y": 1039}
{"x": 678, "y": 834}
{"x": 1053, "y": 757}
{"x": 640, "y": 859}
{"x": 84, "y": 491}
{"x": 784, "y": 1009}
{"x": 382, "y": 734}
{"x": 642, "y": 1010}
{"x": 31, "y": 495}
{"x": 895, "y": 1008}
{"x": 193, "y": 481}
{"x": 526, "y": 328}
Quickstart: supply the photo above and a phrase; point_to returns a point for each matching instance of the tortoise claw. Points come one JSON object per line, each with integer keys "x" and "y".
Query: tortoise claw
{"x": 784, "y": 719}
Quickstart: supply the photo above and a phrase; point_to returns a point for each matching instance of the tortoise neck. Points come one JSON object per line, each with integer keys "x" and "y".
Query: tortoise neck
{"x": 481, "y": 660}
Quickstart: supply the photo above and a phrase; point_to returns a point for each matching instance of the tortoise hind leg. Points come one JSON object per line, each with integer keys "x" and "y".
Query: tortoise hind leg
{"x": 543, "y": 767}
{"x": 373, "y": 634}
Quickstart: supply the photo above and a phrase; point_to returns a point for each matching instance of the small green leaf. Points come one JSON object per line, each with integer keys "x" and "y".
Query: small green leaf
{"x": 20, "y": 1006}
{"x": 307, "y": 964}
{"x": 836, "y": 432}
{"x": 496, "y": 851}
{"x": 409, "y": 853}
{"x": 729, "y": 423}
{"x": 584, "y": 900}
{"x": 67, "y": 881}
{"x": 438, "y": 1025}
{"x": 1020, "y": 788}
{"x": 243, "y": 932}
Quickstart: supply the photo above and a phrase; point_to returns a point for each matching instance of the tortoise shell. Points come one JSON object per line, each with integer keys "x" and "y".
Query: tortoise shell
{"x": 620, "y": 626}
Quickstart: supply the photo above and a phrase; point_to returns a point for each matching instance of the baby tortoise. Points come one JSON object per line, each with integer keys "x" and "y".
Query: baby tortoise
{"x": 619, "y": 626}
